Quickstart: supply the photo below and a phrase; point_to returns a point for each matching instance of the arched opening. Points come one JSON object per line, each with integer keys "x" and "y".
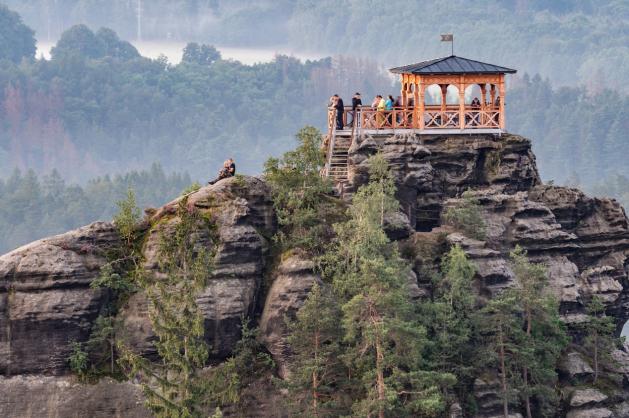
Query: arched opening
{"x": 432, "y": 95}
{"x": 410, "y": 96}
{"x": 452, "y": 95}
{"x": 472, "y": 91}
{"x": 441, "y": 106}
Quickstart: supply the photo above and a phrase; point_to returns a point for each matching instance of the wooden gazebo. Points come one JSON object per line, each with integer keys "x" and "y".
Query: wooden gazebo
{"x": 434, "y": 99}
{"x": 450, "y": 95}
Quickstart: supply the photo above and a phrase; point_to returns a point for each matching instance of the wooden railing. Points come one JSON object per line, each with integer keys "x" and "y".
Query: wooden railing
{"x": 434, "y": 117}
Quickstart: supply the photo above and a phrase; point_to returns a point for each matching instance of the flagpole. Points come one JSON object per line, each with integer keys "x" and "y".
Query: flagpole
{"x": 449, "y": 37}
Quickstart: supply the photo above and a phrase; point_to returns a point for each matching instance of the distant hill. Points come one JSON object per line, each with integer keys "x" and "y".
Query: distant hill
{"x": 569, "y": 41}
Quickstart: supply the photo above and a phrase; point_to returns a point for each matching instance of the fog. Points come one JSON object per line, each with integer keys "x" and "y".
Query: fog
{"x": 173, "y": 50}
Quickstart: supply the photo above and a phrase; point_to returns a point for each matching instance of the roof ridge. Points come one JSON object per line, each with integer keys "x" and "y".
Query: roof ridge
{"x": 424, "y": 62}
{"x": 480, "y": 62}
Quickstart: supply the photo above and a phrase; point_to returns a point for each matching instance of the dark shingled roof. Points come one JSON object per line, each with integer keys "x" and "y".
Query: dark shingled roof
{"x": 451, "y": 65}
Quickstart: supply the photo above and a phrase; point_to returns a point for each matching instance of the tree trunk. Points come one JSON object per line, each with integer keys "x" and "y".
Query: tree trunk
{"x": 380, "y": 388}
{"x": 525, "y": 372}
{"x": 503, "y": 373}
{"x": 380, "y": 377}
{"x": 595, "y": 357}
{"x": 315, "y": 380}
{"x": 111, "y": 354}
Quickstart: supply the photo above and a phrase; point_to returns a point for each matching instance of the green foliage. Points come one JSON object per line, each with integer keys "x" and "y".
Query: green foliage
{"x": 78, "y": 359}
{"x": 544, "y": 335}
{"x": 203, "y": 54}
{"x": 120, "y": 284}
{"x": 17, "y": 41}
{"x": 318, "y": 376}
{"x": 80, "y": 40}
{"x": 250, "y": 358}
{"x": 449, "y": 320}
{"x": 102, "y": 344}
{"x": 466, "y": 216}
{"x": 239, "y": 180}
{"x": 383, "y": 341}
{"x": 299, "y": 194}
{"x": 500, "y": 328}
{"x": 128, "y": 217}
{"x": 523, "y": 337}
{"x": 173, "y": 387}
{"x": 599, "y": 337}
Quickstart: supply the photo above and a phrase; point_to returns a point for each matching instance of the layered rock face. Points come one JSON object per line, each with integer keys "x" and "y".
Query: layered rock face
{"x": 46, "y": 301}
{"x": 242, "y": 220}
{"x": 431, "y": 168}
{"x": 291, "y": 285}
{"x": 583, "y": 241}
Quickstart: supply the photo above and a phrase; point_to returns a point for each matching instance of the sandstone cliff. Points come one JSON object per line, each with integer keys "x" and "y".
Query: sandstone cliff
{"x": 46, "y": 301}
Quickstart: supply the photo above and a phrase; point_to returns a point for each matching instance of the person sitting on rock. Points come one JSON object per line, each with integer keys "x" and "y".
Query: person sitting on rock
{"x": 223, "y": 173}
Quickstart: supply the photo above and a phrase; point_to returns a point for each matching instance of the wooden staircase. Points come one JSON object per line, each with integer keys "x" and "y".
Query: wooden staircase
{"x": 338, "y": 156}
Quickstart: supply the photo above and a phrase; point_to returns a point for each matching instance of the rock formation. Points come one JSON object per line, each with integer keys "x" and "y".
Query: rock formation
{"x": 582, "y": 241}
{"x": 46, "y": 301}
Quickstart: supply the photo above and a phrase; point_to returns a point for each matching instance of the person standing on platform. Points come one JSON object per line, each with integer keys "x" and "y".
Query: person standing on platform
{"x": 339, "y": 111}
{"x": 381, "y": 107}
{"x": 356, "y": 104}
{"x": 388, "y": 106}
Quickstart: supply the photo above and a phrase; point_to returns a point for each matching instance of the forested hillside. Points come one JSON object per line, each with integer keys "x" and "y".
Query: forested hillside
{"x": 566, "y": 40}
{"x": 98, "y": 107}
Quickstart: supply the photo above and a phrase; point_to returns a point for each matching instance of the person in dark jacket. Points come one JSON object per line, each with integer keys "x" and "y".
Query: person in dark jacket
{"x": 356, "y": 104}
{"x": 340, "y": 107}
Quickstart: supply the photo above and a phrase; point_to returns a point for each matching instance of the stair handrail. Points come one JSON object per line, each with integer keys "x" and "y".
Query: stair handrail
{"x": 331, "y": 144}
{"x": 355, "y": 125}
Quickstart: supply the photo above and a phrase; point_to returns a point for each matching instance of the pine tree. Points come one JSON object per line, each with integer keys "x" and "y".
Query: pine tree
{"x": 384, "y": 341}
{"x": 523, "y": 338}
{"x": 599, "y": 340}
{"x": 317, "y": 372}
{"x": 500, "y": 326}
{"x": 449, "y": 318}
{"x": 299, "y": 193}
{"x": 544, "y": 337}
{"x": 173, "y": 387}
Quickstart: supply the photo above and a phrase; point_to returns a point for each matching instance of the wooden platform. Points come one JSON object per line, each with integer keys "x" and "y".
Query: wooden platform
{"x": 422, "y": 131}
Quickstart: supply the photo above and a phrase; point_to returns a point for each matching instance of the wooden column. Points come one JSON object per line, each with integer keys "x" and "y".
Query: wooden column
{"x": 404, "y": 90}
{"x": 419, "y": 104}
{"x": 483, "y": 93}
{"x": 444, "y": 90}
{"x": 492, "y": 93}
{"x": 482, "y": 119}
{"x": 462, "y": 102}
{"x": 501, "y": 94}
